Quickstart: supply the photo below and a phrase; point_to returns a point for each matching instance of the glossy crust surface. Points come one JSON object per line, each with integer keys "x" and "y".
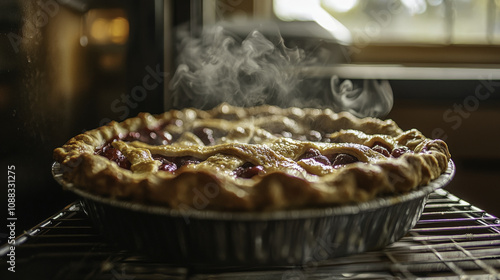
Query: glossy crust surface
{"x": 277, "y": 141}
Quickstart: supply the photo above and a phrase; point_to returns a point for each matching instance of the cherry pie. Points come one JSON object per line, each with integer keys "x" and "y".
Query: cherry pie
{"x": 258, "y": 158}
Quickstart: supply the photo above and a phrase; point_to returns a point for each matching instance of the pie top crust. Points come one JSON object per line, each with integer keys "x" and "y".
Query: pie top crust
{"x": 250, "y": 159}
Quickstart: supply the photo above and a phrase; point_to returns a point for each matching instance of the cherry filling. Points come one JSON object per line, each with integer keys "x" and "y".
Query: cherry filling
{"x": 381, "y": 149}
{"x": 334, "y": 160}
{"x": 171, "y": 164}
{"x": 154, "y": 137}
{"x": 166, "y": 165}
{"x": 248, "y": 170}
{"x": 150, "y": 136}
{"x": 386, "y": 151}
{"x": 399, "y": 151}
{"x": 113, "y": 154}
{"x": 316, "y": 155}
{"x": 343, "y": 159}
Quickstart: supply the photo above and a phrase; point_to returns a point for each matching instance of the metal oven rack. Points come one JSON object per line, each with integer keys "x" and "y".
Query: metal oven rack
{"x": 452, "y": 240}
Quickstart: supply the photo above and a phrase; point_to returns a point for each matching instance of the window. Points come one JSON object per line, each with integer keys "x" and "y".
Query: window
{"x": 428, "y": 31}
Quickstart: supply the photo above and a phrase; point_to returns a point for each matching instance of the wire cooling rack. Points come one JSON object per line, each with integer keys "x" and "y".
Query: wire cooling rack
{"x": 452, "y": 240}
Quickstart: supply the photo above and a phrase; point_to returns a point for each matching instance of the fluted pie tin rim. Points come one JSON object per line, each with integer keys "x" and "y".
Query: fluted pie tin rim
{"x": 285, "y": 237}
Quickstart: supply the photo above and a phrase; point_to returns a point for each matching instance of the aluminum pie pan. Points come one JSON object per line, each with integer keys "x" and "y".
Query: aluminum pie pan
{"x": 288, "y": 237}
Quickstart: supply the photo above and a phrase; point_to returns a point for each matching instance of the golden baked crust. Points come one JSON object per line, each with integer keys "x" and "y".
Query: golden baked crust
{"x": 258, "y": 158}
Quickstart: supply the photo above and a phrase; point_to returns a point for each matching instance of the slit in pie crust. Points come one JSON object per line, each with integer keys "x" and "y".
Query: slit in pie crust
{"x": 250, "y": 159}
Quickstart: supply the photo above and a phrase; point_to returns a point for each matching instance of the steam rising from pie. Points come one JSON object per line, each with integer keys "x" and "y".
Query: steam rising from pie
{"x": 219, "y": 67}
{"x": 373, "y": 99}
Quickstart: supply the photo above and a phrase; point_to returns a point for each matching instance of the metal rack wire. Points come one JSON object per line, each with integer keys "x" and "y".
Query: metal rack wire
{"x": 452, "y": 240}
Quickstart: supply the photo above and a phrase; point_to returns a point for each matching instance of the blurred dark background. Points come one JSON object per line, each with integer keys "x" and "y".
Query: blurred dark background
{"x": 73, "y": 65}
{"x": 66, "y": 67}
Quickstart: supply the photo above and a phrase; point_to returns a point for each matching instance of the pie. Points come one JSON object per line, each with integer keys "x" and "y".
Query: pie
{"x": 250, "y": 159}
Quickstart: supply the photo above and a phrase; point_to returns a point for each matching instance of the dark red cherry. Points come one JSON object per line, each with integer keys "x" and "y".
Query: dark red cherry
{"x": 248, "y": 170}
{"x": 316, "y": 155}
{"x": 322, "y": 159}
{"x": 115, "y": 155}
{"x": 343, "y": 159}
{"x": 397, "y": 152}
{"x": 382, "y": 150}
{"x": 166, "y": 165}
